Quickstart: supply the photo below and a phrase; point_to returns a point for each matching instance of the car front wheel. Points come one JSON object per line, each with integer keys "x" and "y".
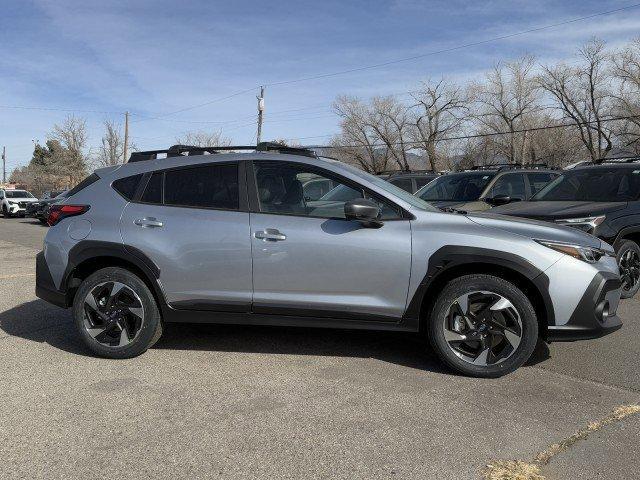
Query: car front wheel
{"x": 483, "y": 326}
{"x": 116, "y": 314}
{"x": 629, "y": 263}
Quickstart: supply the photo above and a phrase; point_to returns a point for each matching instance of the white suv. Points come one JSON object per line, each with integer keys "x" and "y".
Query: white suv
{"x": 14, "y": 202}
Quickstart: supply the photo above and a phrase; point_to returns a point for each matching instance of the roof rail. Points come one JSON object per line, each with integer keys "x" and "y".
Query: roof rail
{"x": 400, "y": 172}
{"x": 507, "y": 166}
{"x": 188, "y": 150}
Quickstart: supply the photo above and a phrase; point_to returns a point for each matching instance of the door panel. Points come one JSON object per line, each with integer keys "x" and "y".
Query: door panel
{"x": 327, "y": 267}
{"x": 204, "y": 255}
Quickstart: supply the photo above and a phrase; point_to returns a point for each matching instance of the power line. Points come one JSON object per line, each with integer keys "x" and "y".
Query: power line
{"x": 482, "y": 135}
{"x": 53, "y": 109}
{"x": 406, "y": 59}
{"x": 451, "y": 49}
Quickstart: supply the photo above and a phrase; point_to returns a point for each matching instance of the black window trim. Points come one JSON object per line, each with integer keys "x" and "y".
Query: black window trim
{"x": 242, "y": 186}
{"x": 140, "y": 182}
{"x": 254, "y": 204}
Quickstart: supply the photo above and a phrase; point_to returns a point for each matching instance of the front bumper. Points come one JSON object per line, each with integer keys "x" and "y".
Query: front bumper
{"x": 595, "y": 314}
{"x": 45, "y": 288}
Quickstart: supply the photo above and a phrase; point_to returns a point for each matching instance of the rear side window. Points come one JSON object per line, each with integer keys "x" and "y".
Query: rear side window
{"x": 422, "y": 181}
{"x": 539, "y": 180}
{"x": 83, "y": 184}
{"x": 511, "y": 185}
{"x": 153, "y": 190}
{"x": 210, "y": 186}
{"x": 127, "y": 186}
{"x": 403, "y": 183}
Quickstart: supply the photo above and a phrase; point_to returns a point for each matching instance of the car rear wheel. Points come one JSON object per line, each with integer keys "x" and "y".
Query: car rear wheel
{"x": 483, "y": 326}
{"x": 116, "y": 314}
{"x": 629, "y": 263}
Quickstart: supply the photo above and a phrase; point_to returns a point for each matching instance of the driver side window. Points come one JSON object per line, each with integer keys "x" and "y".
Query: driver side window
{"x": 290, "y": 189}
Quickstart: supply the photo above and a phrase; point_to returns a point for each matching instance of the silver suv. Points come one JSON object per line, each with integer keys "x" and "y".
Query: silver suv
{"x": 202, "y": 236}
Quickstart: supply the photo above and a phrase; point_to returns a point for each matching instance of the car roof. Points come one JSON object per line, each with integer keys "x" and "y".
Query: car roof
{"x": 606, "y": 166}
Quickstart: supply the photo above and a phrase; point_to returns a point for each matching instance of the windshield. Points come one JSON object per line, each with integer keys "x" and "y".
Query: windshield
{"x": 459, "y": 187}
{"x": 390, "y": 188}
{"x": 18, "y": 194}
{"x": 593, "y": 185}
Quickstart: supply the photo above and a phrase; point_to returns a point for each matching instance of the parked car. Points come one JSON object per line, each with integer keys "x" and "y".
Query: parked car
{"x": 411, "y": 181}
{"x": 230, "y": 239}
{"x": 482, "y": 189}
{"x": 14, "y": 202}
{"x": 603, "y": 200}
{"x": 43, "y": 211}
{"x": 37, "y": 209}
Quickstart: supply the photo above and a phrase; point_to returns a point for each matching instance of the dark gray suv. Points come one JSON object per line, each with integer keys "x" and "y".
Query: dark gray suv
{"x": 206, "y": 236}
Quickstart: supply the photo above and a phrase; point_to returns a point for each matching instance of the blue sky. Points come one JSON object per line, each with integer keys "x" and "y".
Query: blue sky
{"x": 156, "y": 57}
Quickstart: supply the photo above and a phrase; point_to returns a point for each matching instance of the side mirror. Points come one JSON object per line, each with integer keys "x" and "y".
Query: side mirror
{"x": 499, "y": 200}
{"x": 364, "y": 211}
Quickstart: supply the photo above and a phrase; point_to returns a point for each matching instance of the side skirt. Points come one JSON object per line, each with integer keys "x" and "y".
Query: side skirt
{"x": 171, "y": 315}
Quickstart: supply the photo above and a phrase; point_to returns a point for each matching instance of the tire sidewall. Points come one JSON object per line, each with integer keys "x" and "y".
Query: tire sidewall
{"x": 151, "y": 321}
{"x": 469, "y": 283}
{"x": 624, "y": 247}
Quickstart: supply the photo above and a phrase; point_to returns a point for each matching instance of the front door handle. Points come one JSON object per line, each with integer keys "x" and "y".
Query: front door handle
{"x": 270, "y": 235}
{"x": 148, "y": 222}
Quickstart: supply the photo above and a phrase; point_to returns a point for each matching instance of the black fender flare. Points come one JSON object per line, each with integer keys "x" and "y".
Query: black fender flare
{"x": 93, "y": 249}
{"x": 624, "y": 232}
{"x": 452, "y": 256}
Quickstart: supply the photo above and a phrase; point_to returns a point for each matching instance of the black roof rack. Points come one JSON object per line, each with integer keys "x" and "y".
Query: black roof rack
{"x": 187, "y": 150}
{"x": 403, "y": 172}
{"x": 507, "y": 166}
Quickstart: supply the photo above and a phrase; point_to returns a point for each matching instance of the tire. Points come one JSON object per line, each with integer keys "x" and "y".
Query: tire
{"x": 628, "y": 257}
{"x": 5, "y": 212}
{"x": 453, "y": 336}
{"x": 127, "y": 324}
{"x": 42, "y": 221}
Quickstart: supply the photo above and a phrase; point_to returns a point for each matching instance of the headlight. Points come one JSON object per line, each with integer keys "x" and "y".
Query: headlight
{"x": 586, "y": 224}
{"x": 12, "y": 202}
{"x": 581, "y": 252}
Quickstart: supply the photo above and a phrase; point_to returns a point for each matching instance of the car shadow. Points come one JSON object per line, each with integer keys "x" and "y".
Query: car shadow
{"x": 41, "y": 322}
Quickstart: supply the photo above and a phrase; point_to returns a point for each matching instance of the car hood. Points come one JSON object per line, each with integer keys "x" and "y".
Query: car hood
{"x": 555, "y": 210}
{"x": 535, "y": 229}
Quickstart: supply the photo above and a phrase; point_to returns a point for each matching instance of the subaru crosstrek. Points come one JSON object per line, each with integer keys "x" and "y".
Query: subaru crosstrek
{"x": 201, "y": 236}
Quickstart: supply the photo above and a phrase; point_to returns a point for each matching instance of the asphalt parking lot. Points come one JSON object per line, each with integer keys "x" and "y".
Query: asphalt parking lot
{"x": 249, "y": 402}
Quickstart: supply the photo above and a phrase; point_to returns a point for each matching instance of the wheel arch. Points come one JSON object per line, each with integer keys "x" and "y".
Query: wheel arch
{"x": 449, "y": 263}
{"x": 629, "y": 233}
{"x": 88, "y": 257}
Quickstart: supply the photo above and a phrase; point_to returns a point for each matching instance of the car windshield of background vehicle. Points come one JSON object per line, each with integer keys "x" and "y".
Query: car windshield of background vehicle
{"x": 459, "y": 187}
{"x": 591, "y": 185}
{"x": 392, "y": 189}
{"x": 18, "y": 194}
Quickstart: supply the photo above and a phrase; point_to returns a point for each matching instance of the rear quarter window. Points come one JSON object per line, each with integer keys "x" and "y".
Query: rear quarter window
{"x": 127, "y": 186}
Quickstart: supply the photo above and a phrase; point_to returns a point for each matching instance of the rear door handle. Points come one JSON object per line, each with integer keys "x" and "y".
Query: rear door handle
{"x": 148, "y": 222}
{"x": 270, "y": 235}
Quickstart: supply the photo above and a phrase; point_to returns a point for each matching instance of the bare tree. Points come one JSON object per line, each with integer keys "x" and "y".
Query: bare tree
{"x": 390, "y": 119}
{"x": 506, "y": 101}
{"x": 582, "y": 95}
{"x": 626, "y": 71}
{"x": 71, "y": 160}
{"x": 439, "y": 110}
{"x": 111, "y": 150}
{"x": 357, "y": 142}
{"x": 204, "y": 139}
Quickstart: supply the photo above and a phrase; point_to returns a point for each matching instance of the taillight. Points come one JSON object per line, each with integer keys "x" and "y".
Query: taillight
{"x": 58, "y": 212}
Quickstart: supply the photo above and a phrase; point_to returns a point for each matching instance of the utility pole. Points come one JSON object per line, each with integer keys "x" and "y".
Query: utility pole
{"x": 4, "y": 164}
{"x": 260, "y": 113}
{"x": 126, "y": 136}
